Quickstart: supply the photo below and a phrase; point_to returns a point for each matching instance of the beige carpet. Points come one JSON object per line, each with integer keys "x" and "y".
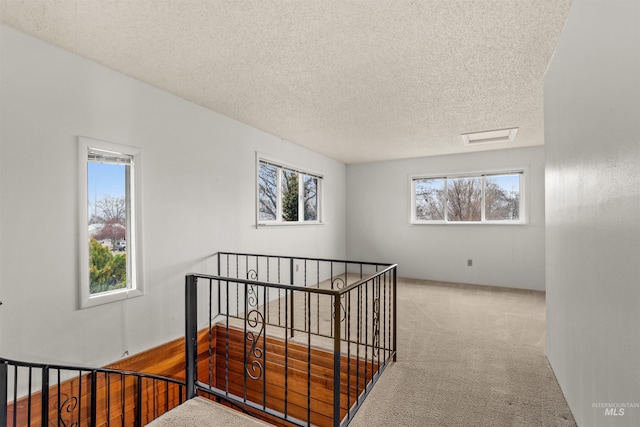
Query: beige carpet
{"x": 467, "y": 356}
{"x": 200, "y": 412}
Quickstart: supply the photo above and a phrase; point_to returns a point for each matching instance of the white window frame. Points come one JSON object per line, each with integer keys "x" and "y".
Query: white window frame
{"x": 135, "y": 279}
{"x": 522, "y": 170}
{"x": 302, "y": 172}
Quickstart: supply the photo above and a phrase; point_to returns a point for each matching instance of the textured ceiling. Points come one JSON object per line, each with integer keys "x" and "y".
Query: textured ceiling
{"x": 355, "y": 80}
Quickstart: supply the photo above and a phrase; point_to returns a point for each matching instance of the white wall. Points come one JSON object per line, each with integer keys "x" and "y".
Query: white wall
{"x": 378, "y": 228}
{"x": 592, "y": 132}
{"x": 198, "y": 196}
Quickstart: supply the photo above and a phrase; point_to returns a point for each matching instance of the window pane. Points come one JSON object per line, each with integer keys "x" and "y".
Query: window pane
{"x": 107, "y": 198}
{"x": 502, "y": 197}
{"x": 268, "y": 193}
{"x": 430, "y": 199}
{"x": 289, "y": 195}
{"x": 464, "y": 199}
{"x": 310, "y": 198}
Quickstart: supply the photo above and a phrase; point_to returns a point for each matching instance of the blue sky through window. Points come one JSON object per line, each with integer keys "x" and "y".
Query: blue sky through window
{"x": 104, "y": 179}
{"x": 509, "y": 183}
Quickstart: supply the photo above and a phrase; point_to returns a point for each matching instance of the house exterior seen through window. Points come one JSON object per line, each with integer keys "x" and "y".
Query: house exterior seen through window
{"x": 491, "y": 198}
{"x": 108, "y": 223}
{"x": 109, "y": 245}
{"x": 287, "y": 195}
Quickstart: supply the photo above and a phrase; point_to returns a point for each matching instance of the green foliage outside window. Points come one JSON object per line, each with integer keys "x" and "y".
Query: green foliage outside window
{"x": 289, "y": 196}
{"x": 107, "y": 271}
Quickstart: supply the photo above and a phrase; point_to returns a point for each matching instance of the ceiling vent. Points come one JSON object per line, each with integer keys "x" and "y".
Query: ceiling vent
{"x": 489, "y": 137}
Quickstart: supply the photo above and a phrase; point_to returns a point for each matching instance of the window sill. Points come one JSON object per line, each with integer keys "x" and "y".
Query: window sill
{"x": 109, "y": 297}
{"x": 448, "y": 223}
{"x": 288, "y": 224}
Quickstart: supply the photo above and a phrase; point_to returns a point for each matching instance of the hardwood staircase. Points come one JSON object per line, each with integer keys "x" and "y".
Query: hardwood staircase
{"x": 304, "y": 379}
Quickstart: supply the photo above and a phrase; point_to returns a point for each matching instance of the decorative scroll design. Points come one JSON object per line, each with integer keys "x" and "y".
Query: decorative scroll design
{"x": 252, "y": 295}
{"x": 339, "y": 283}
{"x": 252, "y": 290}
{"x": 68, "y": 407}
{"x": 376, "y": 324}
{"x": 254, "y": 367}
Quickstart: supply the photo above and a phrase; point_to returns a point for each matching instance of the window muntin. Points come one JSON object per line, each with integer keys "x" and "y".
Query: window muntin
{"x": 287, "y": 195}
{"x": 110, "y": 229}
{"x": 479, "y": 198}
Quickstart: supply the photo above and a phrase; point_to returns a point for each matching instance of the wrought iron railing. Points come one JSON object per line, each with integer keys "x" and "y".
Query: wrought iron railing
{"x": 35, "y": 394}
{"x": 301, "y": 340}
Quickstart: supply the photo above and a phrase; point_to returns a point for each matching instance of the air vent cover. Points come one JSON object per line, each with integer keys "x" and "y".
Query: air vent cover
{"x": 490, "y": 136}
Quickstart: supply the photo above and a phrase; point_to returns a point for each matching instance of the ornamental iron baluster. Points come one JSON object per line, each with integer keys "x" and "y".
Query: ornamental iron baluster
{"x": 252, "y": 290}
{"x": 376, "y": 324}
{"x": 254, "y": 367}
{"x": 68, "y": 406}
{"x": 338, "y": 283}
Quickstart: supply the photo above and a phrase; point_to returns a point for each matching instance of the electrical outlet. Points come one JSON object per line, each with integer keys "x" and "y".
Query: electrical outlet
{"x": 469, "y": 263}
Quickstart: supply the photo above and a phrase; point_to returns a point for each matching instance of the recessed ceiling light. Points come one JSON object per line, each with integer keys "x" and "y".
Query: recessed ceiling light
{"x": 490, "y": 136}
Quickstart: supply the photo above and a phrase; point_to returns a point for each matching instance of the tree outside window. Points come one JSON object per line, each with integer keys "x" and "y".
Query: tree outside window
{"x": 502, "y": 197}
{"x": 464, "y": 199}
{"x": 107, "y": 226}
{"x": 430, "y": 200}
{"x": 484, "y": 198}
{"x": 268, "y": 192}
{"x": 110, "y": 230}
{"x": 287, "y": 195}
{"x": 310, "y": 198}
{"x": 290, "y": 202}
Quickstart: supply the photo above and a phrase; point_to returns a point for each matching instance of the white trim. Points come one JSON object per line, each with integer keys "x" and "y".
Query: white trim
{"x": 523, "y": 220}
{"x": 301, "y": 171}
{"x": 287, "y": 165}
{"x": 134, "y": 233}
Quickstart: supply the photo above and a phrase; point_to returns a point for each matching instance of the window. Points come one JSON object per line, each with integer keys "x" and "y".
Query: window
{"x": 486, "y": 198}
{"x": 287, "y": 195}
{"x": 109, "y": 229}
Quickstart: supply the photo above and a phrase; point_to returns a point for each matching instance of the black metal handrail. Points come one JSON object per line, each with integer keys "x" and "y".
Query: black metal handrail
{"x": 347, "y": 308}
{"x": 75, "y": 396}
{"x": 298, "y": 258}
{"x": 338, "y": 291}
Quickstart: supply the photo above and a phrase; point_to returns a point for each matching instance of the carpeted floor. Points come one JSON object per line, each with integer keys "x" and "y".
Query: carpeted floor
{"x": 200, "y": 412}
{"x": 467, "y": 356}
